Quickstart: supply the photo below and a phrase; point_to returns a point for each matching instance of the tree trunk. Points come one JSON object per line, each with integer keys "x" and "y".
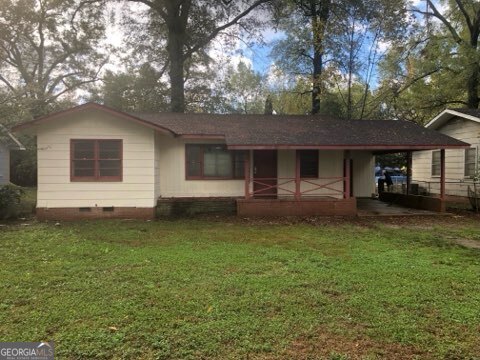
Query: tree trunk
{"x": 317, "y": 68}
{"x": 472, "y": 83}
{"x": 320, "y": 17}
{"x": 175, "y": 46}
{"x": 472, "y": 87}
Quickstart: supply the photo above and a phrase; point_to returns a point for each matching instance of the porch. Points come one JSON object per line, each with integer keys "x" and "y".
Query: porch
{"x": 271, "y": 190}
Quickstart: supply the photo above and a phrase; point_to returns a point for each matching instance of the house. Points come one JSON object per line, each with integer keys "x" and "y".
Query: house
{"x": 7, "y": 142}
{"x": 94, "y": 161}
{"x": 460, "y": 164}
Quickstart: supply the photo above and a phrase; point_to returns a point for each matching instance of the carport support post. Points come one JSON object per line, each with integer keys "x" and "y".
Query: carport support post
{"x": 247, "y": 174}
{"x": 346, "y": 181}
{"x": 297, "y": 175}
{"x": 442, "y": 174}
{"x": 409, "y": 171}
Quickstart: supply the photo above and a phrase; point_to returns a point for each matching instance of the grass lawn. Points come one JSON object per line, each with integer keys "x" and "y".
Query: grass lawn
{"x": 230, "y": 288}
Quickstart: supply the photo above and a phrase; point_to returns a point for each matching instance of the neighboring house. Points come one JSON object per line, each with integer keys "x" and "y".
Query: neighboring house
{"x": 94, "y": 161}
{"x": 7, "y": 142}
{"x": 460, "y": 164}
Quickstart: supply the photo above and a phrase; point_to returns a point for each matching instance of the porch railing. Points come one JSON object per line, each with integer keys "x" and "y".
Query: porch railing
{"x": 297, "y": 188}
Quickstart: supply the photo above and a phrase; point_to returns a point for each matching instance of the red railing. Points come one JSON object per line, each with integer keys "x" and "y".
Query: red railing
{"x": 270, "y": 187}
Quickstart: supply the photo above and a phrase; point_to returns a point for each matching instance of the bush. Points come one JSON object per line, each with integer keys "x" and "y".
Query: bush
{"x": 10, "y": 197}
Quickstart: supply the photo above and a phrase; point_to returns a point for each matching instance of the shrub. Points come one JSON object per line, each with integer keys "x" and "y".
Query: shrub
{"x": 10, "y": 197}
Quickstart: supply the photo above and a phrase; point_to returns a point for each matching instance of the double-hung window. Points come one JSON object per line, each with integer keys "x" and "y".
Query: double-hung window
{"x": 212, "y": 161}
{"x": 96, "y": 160}
{"x": 470, "y": 162}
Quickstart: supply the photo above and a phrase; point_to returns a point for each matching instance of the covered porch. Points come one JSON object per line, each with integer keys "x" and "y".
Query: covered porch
{"x": 303, "y": 182}
{"x": 282, "y": 182}
{"x": 409, "y": 196}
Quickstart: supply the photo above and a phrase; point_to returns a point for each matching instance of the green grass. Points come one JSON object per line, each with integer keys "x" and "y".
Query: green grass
{"x": 230, "y": 289}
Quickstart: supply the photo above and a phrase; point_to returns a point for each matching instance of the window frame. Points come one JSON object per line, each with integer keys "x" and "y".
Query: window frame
{"x": 317, "y": 155}
{"x": 96, "y": 160}
{"x": 475, "y": 163}
{"x": 233, "y": 157}
{"x": 439, "y": 163}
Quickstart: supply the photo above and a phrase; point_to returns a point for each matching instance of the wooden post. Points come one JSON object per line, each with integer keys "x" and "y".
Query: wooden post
{"x": 346, "y": 182}
{"x": 409, "y": 171}
{"x": 297, "y": 175}
{"x": 247, "y": 174}
{"x": 442, "y": 174}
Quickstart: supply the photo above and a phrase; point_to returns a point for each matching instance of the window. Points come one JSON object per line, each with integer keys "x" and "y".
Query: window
{"x": 96, "y": 160}
{"x": 213, "y": 162}
{"x": 470, "y": 161}
{"x": 308, "y": 163}
{"x": 436, "y": 163}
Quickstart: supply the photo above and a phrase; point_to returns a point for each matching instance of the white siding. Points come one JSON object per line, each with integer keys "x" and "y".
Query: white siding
{"x": 172, "y": 182}
{"x": 54, "y": 186}
{"x": 456, "y": 183}
{"x": 4, "y": 165}
{"x": 363, "y": 173}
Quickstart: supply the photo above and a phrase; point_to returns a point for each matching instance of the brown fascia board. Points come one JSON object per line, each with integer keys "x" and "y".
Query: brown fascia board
{"x": 91, "y": 106}
{"x": 348, "y": 147}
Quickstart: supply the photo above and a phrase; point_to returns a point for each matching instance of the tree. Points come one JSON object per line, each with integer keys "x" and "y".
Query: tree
{"x": 435, "y": 68}
{"x": 242, "y": 91}
{"x": 325, "y": 37}
{"x": 135, "y": 90}
{"x": 461, "y": 20}
{"x": 188, "y": 26}
{"x": 49, "y": 49}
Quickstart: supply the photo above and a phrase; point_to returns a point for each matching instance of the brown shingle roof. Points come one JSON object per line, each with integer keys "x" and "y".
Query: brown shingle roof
{"x": 277, "y": 131}
{"x": 301, "y": 130}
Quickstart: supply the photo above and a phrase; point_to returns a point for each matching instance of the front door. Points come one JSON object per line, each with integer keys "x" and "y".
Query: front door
{"x": 265, "y": 173}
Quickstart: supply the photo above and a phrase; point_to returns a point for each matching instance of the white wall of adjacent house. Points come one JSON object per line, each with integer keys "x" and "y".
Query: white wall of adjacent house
{"x": 456, "y": 181}
{"x": 4, "y": 165}
{"x": 55, "y": 188}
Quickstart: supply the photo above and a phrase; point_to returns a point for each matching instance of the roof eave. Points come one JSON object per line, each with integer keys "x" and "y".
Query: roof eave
{"x": 446, "y": 115}
{"x": 345, "y": 147}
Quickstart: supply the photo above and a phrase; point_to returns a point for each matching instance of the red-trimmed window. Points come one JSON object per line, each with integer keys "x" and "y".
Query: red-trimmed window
{"x": 213, "y": 161}
{"x": 96, "y": 160}
{"x": 308, "y": 164}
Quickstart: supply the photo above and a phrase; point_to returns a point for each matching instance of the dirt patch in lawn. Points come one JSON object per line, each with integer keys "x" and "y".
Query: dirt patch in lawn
{"x": 468, "y": 243}
{"x": 328, "y": 345}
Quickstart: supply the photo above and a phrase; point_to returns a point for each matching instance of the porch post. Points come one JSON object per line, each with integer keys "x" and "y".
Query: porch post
{"x": 409, "y": 171}
{"x": 247, "y": 174}
{"x": 346, "y": 181}
{"x": 297, "y": 175}
{"x": 442, "y": 174}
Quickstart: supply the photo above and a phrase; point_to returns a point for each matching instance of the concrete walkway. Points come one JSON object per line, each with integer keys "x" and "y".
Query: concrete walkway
{"x": 374, "y": 207}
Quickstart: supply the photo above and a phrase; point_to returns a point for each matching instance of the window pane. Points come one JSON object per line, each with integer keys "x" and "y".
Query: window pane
{"x": 470, "y": 161}
{"x": 83, "y": 168}
{"x": 84, "y": 149}
{"x": 109, "y": 149}
{"x": 308, "y": 163}
{"x": 217, "y": 162}
{"x": 109, "y": 168}
{"x": 470, "y": 155}
{"x": 239, "y": 164}
{"x": 436, "y": 163}
{"x": 193, "y": 153}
